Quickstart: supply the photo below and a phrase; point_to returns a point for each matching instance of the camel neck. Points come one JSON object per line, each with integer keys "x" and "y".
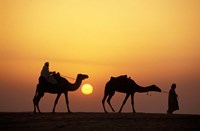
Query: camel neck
{"x": 76, "y": 85}
{"x": 143, "y": 89}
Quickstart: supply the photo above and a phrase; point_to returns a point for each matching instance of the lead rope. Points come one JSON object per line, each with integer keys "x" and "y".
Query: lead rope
{"x": 164, "y": 91}
{"x": 161, "y": 92}
{"x": 148, "y": 94}
{"x": 68, "y": 77}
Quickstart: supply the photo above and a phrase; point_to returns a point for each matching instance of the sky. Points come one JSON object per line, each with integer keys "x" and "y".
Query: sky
{"x": 152, "y": 41}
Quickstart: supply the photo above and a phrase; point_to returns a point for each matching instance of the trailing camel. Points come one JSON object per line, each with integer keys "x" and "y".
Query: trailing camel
{"x": 124, "y": 85}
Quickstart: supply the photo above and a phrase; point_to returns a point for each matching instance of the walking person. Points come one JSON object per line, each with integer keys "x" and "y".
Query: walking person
{"x": 172, "y": 100}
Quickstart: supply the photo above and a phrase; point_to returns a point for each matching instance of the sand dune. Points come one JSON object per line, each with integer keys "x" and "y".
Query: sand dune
{"x": 98, "y": 121}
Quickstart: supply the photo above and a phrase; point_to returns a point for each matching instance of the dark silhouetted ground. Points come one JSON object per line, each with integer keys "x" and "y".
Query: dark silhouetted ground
{"x": 99, "y": 121}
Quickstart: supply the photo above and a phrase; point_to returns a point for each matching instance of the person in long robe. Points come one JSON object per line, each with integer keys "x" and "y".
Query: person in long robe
{"x": 172, "y": 100}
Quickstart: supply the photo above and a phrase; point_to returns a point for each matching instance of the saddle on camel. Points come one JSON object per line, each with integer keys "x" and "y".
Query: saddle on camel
{"x": 43, "y": 81}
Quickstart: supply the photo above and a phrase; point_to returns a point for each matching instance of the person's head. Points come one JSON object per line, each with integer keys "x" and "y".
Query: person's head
{"x": 173, "y": 86}
{"x": 46, "y": 64}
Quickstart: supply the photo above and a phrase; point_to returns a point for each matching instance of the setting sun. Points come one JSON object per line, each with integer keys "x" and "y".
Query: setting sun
{"x": 87, "y": 89}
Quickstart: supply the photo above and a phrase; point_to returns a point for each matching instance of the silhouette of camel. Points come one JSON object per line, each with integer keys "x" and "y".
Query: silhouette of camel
{"x": 124, "y": 85}
{"x": 63, "y": 86}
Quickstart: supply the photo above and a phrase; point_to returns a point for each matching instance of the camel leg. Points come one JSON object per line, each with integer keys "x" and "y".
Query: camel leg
{"x": 108, "y": 100}
{"x": 35, "y": 99}
{"x": 103, "y": 102}
{"x": 132, "y": 102}
{"x": 56, "y": 102}
{"x": 37, "y": 102}
{"x": 67, "y": 102}
{"x": 34, "y": 103}
{"x": 127, "y": 95}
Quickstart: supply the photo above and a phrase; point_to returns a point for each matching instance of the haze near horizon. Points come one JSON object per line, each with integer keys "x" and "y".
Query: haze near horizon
{"x": 152, "y": 41}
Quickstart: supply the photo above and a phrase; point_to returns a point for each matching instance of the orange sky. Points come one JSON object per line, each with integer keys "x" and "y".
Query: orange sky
{"x": 153, "y": 41}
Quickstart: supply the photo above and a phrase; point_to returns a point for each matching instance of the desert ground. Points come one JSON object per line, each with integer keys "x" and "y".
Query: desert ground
{"x": 98, "y": 121}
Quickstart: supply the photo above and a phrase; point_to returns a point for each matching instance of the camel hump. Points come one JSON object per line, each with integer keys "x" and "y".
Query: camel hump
{"x": 121, "y": 77}
{"x": 122, "y": 80}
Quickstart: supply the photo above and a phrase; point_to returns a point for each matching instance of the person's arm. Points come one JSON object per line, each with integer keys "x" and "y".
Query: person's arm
{"x": 176, "y": 95}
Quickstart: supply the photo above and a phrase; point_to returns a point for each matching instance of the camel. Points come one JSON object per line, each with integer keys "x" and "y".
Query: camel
{"x": 124, "y": 85}
{"x": 63, "y": 86}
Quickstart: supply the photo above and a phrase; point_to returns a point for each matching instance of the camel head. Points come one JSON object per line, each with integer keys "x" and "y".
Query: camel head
{"x": 82, "y": 76}
{"x": 155, "y": 88}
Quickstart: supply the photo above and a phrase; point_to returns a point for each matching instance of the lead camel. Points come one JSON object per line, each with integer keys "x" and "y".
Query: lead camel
{"x": 63, "y": 86}
{"x": 124, "y": 85}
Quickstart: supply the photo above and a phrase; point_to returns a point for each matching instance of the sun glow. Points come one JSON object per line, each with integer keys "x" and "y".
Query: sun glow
{"x": 87, "y": 89}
